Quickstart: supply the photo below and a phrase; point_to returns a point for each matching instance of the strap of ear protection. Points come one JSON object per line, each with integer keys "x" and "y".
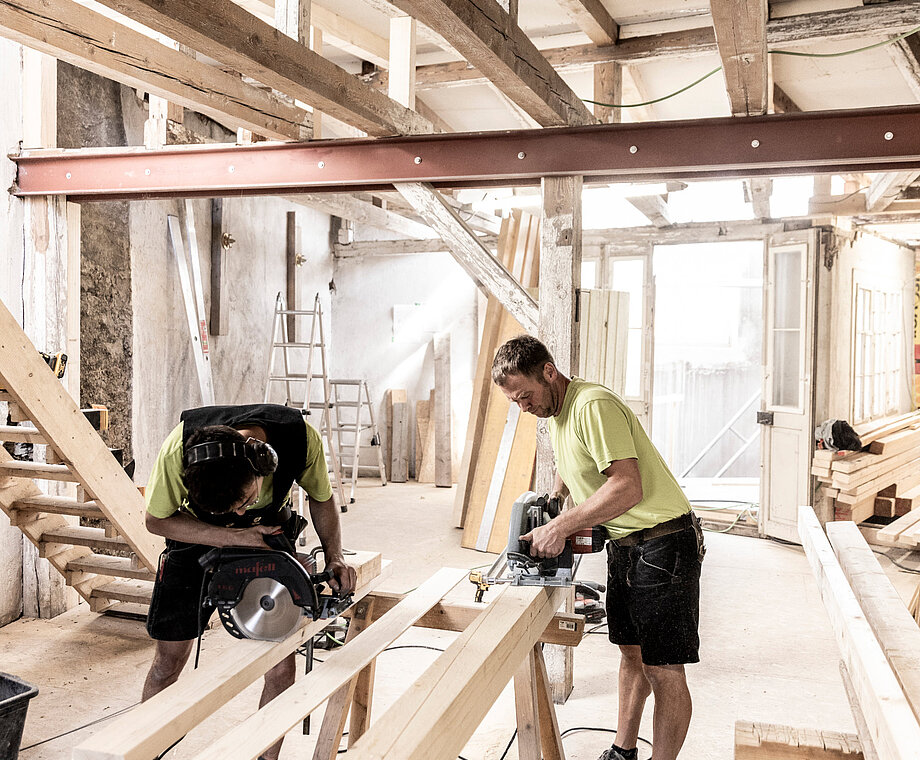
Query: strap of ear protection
{"x": 260, "y": 456}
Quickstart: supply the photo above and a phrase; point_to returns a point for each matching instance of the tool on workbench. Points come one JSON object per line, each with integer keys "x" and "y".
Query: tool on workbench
{"x": 264, "y": 593}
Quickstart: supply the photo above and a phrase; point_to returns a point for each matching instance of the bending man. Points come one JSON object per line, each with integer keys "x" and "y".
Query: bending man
{"x": 617, "y": 479}
{"x": 222, "y": 478}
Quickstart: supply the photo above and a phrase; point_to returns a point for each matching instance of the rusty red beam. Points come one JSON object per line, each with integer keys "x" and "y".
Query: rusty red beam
{"x": 799, "y": 143}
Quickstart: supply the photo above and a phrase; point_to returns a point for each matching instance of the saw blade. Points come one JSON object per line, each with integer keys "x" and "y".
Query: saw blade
{"x": 266, "y": 611}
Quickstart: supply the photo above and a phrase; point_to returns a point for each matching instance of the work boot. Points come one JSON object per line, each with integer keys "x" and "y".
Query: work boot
{"x": 618, "y": 753}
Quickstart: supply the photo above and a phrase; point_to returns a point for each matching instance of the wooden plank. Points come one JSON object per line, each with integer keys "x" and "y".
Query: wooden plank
{"x": 72, "y": 33}
{"x": 401, "y": 83}
{"x": 224, "y": 31}
{"x": 59, "y": 505}
{"x": 151, "y": 727}
{"x": 272, "y": 721}
{"x": 526, "y": 709}
{"x": 482, "y": 381}
{"x": 596, "y": 345}
{"x": 20, "y": 434}
{"x": 502, "y": 457}
{"x": 768, "y": 741}
{"x": 475, "y": 259}
{"x": 741, "y": 35}
{"x": 422, "y": 421}
{"x": 897, "y": 442}
{"x": 551, "y": 739}
{"x": 886, "y": 710}
{"x": 654, "y": 208}
{"x": 218, "y": 317}
{"x": 363, "y": 212}
{"x": 443, "y": 435}
{"x": 608, "y": 88}
{"x": 29, "y": 380}
{"x": 862, "y": 729}
{"x": 442, "y": 708}
{"x": 39, "y": 470}
{"x": 565, "y": 628}
{"x": 486, "y": 36}
{"x": 399, "y": 441}
{"x": 518, "y": 478}
{"x": 895, "y": 628}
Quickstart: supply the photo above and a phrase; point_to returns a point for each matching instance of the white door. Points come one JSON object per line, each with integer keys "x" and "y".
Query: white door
{"x": 633, "y": 274}
{"x": 787, "y": 413}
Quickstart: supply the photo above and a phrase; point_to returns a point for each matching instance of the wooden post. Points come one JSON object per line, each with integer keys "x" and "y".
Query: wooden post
{"x": 608, "y": 88}
{"x": 399, "y": 442}
{"x": 441, "y": 412}
{"x": 218, "y": 314}
{"x": 560, "y": 281}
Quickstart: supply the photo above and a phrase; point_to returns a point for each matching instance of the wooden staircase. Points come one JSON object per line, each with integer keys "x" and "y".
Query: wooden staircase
{"x": 105, "y": 582}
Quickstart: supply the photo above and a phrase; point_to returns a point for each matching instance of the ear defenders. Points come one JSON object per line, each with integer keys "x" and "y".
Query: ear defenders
{"x": 261, "y": 457}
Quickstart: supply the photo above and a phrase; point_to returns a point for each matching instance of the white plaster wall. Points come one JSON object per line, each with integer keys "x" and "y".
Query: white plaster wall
{"x": 367, "y": 289}
{"x": 878, "y": 259}
{"x": 254, "y": 271}
{"x": 11, "y": 284}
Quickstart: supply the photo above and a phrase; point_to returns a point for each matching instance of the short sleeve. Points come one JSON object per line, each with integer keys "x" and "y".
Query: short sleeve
{"x": 165, "y": 491}
{"x": 315, "y": 477}
{"x": 604, "y": 429}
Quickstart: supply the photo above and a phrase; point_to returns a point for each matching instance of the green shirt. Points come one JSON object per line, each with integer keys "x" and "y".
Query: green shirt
{"x": 594, "y": 428}
{"x": 166, "y": 492}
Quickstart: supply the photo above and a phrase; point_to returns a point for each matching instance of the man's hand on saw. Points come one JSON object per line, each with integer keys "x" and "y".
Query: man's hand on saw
{"x": 253, "y": 537}
{"x": 344, "y": 577}
{"x": 545, "y": 541}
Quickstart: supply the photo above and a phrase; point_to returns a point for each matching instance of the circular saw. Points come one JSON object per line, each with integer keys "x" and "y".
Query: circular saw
{"x": 265, "y": 593}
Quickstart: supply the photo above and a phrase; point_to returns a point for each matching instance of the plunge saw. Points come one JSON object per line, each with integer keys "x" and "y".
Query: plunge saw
{"x": 265, "y": 593}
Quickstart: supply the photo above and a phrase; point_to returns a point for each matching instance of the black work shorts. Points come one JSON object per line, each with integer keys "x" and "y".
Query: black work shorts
{"x": 653, "y": 596}
{"x": 176, "y": 613}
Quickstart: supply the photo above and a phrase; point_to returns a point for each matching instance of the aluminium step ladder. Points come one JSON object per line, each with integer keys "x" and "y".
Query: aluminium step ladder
{"x": 297, "y": 375}
{"x": 350, "y": 412}
{"x": 33, "y": 394}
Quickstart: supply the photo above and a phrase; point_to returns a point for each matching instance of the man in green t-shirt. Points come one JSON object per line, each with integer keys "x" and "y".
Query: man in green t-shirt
{"x": 617, "y": 479}
{"x": 222, "y": 478}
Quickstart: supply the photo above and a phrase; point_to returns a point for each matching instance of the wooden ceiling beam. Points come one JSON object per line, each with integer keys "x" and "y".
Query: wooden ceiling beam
{"x": 484, "y": 34}
{"x": 896, "y": 17}
{"x": 226, "y": 32}
{"x": 886, "y": 188}
{"x": 654, "y": 207}
{"x": 83, "y": 38}
{"x": 741, "y": 35}
{"x": 593, "y": 19}
{"x": 906, "y": 55}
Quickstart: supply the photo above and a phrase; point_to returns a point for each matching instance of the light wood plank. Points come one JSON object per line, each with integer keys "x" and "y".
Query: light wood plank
{"x": 72, "y": 33}
{"x": 151, "y": 727}
{"x": 399, "y": 441}
{"x": 894, "y": 627}
{"x": 768, "y": 741}
{"x": 886, "y": 710}
{"x": 593, "y": 19}
{"x": 443, "y": 435}
{"x": 281, "y": 714}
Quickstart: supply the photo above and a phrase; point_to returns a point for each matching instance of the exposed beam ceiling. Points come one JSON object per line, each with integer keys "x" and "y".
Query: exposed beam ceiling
{"x": 654, "y": 208}
{"x": 886, "y": 188}
{"x": 229, "y": 34}
{"x": 348, "y": 207}
{"x": 593, "y": 19}
{"x": 896, "y": 17}
{"x": 485, "y": 35}
{"x": 741, "y": 34}
{"x": 83, "y": 38}
{"x": 906, "y": 54}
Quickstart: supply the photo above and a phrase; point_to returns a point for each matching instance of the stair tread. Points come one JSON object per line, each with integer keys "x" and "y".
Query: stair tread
{"x": 38, "y": 470}
{"x": 84, "y": 537}
{"x": 20, "y": 433}
{"x": 104, "y": 565}
{"x": 61, "y": 505}
{"x": 139, "y": 592}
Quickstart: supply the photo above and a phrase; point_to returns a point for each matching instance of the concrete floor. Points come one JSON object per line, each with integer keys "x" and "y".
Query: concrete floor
{"x": 768, "y": 653}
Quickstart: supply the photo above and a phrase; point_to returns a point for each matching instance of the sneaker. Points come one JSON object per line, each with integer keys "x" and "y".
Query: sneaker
{"x": 616, "y": 753}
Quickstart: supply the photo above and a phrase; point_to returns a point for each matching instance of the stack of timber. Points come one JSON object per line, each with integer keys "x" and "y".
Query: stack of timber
{"x": 879, "y": 640}
{"x": 500, "y": 451}
{"x": 883, "y": 479}
{"x": 33, "y": 394}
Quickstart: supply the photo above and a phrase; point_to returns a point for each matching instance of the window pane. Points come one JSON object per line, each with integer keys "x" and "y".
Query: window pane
{"x": 787, "y": 328}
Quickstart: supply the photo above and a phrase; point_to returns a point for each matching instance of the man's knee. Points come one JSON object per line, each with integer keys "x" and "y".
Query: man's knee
{"x": 666, "y": 676}
{"x": 631, "y": 654}
{"x": 282, "y": 675}
{"x": 169, "y": 659}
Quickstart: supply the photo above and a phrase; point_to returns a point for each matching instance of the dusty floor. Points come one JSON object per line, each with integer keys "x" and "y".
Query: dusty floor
{"x": 768, "y": 653}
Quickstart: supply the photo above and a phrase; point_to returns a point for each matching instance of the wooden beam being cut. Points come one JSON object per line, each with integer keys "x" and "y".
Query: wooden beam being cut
{"x": 484, "y": 34}
{"x": 224, "y": 31}
{"x": 741, "y": 34}
{"x": 476, "y": 260}
{"x": 74, "y": 34}
{"x": 153, "y": 726}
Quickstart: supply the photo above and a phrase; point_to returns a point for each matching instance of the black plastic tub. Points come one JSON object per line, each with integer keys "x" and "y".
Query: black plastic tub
{"x": 14, "y": 701}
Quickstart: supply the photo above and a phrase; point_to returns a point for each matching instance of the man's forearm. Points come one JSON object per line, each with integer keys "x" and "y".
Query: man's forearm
{"x": 611, "y": 500}
{"x": 181, "y": 527}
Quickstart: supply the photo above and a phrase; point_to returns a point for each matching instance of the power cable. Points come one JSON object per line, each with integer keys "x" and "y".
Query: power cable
{"x": 796, "y": 53}
{"x": 79, "y": 728}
